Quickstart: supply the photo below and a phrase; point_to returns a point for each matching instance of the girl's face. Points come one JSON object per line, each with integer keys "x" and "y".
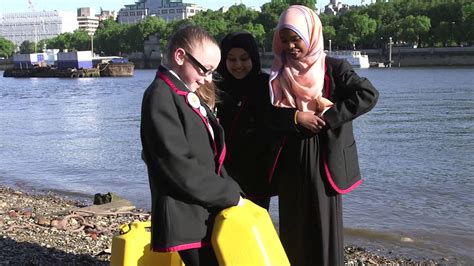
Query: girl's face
{"x": 292, "y": 44}
{"x": 238, "y": 63}
{"x": 196, "y": 66}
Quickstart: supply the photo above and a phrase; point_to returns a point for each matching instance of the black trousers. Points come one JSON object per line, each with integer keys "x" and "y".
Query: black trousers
{"x": 199, "y": 257}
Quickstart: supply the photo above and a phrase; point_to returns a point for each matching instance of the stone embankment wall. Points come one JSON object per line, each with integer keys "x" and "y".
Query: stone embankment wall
{"x": 410, "y": 57}
{"x": 143, "y": 62}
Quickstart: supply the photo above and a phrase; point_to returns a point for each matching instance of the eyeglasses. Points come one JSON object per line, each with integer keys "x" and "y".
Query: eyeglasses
{"x": 196, "y": 63}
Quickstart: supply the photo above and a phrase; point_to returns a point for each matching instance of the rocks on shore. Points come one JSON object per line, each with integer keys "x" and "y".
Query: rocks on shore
{"x": 50, "y": 230}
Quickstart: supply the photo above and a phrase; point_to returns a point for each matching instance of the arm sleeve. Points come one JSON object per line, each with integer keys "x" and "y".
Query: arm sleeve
{"x": 354, "y": 96}
{"x": 277, "y": 119}
{"x": 170, "y": 152}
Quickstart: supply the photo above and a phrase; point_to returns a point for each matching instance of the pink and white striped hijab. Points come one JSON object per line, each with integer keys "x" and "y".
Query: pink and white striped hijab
{"x": 299, "y": 83}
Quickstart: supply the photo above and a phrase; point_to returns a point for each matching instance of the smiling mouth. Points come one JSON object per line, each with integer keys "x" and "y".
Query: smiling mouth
{"x": 294, "y": 52}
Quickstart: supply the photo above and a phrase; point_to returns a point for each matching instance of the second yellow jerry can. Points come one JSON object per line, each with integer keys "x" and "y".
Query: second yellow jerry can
{"x": 132, "y": 247}
{"x": 245, "y": 235}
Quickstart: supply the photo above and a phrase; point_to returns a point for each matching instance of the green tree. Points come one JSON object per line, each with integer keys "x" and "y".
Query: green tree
{"x": 80, "y": 41}
{"x": 213, "y": 22}
{"x": 329, "y": 33}
{"x": 467, "y": 20}
{"x": 115, "y": 39}
{"x": 356, "y": 27}
{"x": 309, "y": 3}
{"x": 144, "y": 29}
{"x": 7, "y": 47}
{"x": 268, "y": 18}
{"x": 43, "y": 44}
{"x": 413, "y": 28}
{"x": 27, "y": 47}
{"x": 171, "y": 28}
{"x": 61, "y": 42}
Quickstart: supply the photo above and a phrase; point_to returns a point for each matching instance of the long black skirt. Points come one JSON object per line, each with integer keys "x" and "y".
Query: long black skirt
{"x": 311, "y": 228}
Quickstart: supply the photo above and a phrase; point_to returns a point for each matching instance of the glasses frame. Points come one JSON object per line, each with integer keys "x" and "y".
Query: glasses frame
{"x": 198, "y": 64}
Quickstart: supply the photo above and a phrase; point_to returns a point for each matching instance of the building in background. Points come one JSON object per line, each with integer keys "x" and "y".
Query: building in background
{"x": 87, "y": 20}
{"x": 134, "y": 13}
{"x": 334, "y": 8}
{"x": 169, "y": 10}
{"x": 36, "y": 26}
{"x": 106, "y": 14}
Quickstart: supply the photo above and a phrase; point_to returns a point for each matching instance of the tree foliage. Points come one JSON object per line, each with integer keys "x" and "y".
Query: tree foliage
{"x": 7, "y": 47}
{"x": 27, "y": 47}
{"x": 421, "y": 23}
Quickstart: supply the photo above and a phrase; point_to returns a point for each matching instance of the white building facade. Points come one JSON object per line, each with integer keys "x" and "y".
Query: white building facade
{"x": 36, "y": 26}
{"x": 169, "y": 10}
{"x": 87, "y": 20}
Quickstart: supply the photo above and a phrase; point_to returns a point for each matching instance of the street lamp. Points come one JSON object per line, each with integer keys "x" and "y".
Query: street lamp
{"x": 92, "y": 42}
{"x": 452, "y": 29}
{"x": 390, "y": 52}
{"x": 330, "y": 47}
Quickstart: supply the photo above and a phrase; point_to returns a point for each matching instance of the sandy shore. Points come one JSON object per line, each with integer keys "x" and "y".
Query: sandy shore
{"x": 48, "y": 229}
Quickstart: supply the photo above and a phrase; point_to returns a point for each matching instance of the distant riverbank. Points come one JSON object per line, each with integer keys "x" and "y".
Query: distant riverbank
{"x": 412, "y": 57}
{"x": 422, "y": 57}
{"x": 401, "y": 57}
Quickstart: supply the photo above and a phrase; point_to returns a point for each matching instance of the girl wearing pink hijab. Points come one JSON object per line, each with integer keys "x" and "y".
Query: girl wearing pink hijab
{"x": 319, "y": 96}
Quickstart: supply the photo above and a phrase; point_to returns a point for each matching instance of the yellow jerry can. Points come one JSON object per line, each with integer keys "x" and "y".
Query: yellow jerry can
{"x": 245, "y": 235}
{"x": 132, "y": 247}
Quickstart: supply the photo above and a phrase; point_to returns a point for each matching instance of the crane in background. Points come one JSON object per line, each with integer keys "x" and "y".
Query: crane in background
{"x": 31, "y": 7}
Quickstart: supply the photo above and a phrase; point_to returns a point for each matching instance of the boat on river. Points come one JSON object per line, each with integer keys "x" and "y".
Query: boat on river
{"x": 77, "y": 64}
{"x": 114, "y": 66}
{"x": 50, "y": 72}
{"x": 355, "y": 58}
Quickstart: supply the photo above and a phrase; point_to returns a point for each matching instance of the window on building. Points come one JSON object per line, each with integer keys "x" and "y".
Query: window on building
{"x": 132, "y": 13}
{"x": 191, "y": 10}
{"x": 164, "y": 11}
{"x": 172, "y": 11}
{"x": 180, "y": 10}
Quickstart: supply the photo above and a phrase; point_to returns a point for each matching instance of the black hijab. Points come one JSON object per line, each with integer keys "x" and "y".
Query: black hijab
{"x": 247, "y": 42}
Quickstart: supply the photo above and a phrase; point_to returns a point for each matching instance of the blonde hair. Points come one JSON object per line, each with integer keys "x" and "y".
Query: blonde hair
{"x": 207, "y": 92}
{"x": 188, "y": 37}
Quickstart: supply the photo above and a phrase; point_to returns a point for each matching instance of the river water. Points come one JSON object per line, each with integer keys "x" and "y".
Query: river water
{"x": 79, "y": 137}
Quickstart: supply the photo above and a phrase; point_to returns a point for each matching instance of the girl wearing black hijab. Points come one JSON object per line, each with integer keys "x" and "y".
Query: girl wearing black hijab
{"x": 241, "y": 109}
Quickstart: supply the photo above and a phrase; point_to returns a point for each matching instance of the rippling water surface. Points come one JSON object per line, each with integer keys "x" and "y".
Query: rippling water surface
{"x": 81, "y": 137}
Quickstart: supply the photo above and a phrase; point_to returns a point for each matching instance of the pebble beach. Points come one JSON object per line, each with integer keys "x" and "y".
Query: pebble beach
{"x": 50, "y": 229}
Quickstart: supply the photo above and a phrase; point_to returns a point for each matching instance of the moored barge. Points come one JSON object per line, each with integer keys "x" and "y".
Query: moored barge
{"x": 77, "y": 64}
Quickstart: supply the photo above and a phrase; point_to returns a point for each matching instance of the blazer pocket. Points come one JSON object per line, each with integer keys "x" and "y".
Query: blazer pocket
{"x": 351, "y": 162}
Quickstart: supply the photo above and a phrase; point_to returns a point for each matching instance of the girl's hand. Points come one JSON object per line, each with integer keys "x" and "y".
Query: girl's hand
{"x": 310, "y": 121}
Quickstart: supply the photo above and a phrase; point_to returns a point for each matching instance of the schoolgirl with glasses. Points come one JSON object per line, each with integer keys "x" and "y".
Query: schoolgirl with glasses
{"x": 184, "y": 150}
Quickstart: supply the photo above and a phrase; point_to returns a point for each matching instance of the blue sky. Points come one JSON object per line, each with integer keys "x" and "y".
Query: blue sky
{"x": 7, "y": 6}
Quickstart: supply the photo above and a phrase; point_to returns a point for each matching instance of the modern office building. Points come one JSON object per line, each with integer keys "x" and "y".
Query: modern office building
{"x": 36, "y": 26}
{"x": 169, "y": 10}
{"x": 87, "y": 20}
{"x": 133, "y": 13}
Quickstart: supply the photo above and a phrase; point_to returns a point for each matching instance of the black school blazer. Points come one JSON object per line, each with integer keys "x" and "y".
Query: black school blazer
{"x": 352, "y": 96}
{"x": 182, "y": 161}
